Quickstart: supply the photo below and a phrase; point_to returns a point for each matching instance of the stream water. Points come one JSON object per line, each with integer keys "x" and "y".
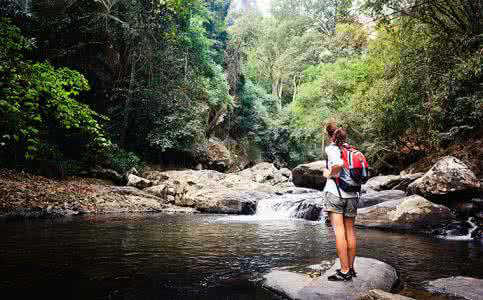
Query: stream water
{"x": 161, "y": 256}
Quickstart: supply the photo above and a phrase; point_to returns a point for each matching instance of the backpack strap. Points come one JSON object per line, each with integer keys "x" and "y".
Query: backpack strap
{"x": 338, "y": 188}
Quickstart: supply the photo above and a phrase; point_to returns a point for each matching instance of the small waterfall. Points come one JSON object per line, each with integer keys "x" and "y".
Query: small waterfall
{"x": 459, "y": 231}
{"x": 306, "y": 206}
{"x": 301, "y": 206}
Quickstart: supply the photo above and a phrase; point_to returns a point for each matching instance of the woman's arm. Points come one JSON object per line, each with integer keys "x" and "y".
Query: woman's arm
{"x": 333, "y": 155}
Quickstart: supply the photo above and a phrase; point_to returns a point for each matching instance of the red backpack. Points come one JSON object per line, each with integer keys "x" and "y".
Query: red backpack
{"x": 355, "y": 170}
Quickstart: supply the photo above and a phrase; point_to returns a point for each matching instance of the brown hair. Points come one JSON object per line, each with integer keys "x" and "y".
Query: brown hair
{"x": 331, "y": 128}
{"x": 339, "y": 136}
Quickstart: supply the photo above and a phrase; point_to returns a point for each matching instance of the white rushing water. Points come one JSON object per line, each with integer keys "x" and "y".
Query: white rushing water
{"x": 283, "y": 207}
{"x": 466, "y": 237}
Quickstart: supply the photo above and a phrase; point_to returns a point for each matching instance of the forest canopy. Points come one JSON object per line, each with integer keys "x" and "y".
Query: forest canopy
{"x": 119, "y": 82}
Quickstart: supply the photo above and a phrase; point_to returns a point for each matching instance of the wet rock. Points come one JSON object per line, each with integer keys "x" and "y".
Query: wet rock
{"x": 310, "y": 175}
{"x": 463, "y": 287}
{"x": 374, "y": 198}
{"x": 138, "y": 182}
{"x": 309, "y": 210}
{"x": 478, "y": 203}
{"x": 448, "y": 176}
{"x": 374, "y": 274}
{"x": 382, "y": 295}
{"x": 228, "y": 202}
{"x": 462, "y": 209}
{"x": 37, "y": 213}
{"x": 412, "y": 213}
{"x": 476, "y": 234}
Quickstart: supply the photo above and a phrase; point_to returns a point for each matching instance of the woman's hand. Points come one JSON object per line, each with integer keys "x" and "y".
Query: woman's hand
{"x": 326, "y": 173}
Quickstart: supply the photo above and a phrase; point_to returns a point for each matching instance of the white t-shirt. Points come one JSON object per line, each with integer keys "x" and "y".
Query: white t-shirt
{"x": 334, "y": 158}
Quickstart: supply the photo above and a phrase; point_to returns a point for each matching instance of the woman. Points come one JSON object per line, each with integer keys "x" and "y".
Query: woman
{"x": 341, "y": 207}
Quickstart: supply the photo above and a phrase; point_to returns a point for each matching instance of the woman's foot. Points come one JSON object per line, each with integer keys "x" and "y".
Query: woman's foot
{"x": 351, "y": 271}
{"x": 340, "y": 276}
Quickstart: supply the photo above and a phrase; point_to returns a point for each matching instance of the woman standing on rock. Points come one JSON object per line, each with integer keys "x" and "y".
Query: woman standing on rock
{"x": 341, "y": 207}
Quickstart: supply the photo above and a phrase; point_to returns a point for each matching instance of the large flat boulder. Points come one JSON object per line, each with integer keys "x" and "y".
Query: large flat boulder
{"x": 126, "y": 199}
{"x": 448, "y": 176}
{"x": 374, "y": 198}
{"x": 228, "y": 202}
{"x": 310, "y": 175}
{"x": 462, "y": 287}
{"x": 392, "y": 182}
{"x": 412, "y": 213}
{"x": 372, "y": 274}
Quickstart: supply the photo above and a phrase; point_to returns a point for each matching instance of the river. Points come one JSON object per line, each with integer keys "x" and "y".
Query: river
{"x": 162, "y": 256}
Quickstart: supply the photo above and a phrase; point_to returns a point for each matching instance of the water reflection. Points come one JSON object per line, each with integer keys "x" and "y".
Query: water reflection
{"x": 196, "y": 256}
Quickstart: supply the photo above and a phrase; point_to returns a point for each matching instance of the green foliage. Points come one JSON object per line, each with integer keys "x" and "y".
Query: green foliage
{"x": 121, "y": 160}
{"x": 37, "y": 103}
{"x": 328, "y": 89}
{"x": 251, "y": 113}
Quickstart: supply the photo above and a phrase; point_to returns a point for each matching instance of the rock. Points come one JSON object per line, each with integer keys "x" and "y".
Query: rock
{"x": 173, "y": 209}
{"x": 219, "y": 157}
{"x": 476, "y": 234}
{"x": 286, "y": 172}
{"x": 373, "y": 198}
{"x": 392, "y": 182}
{"x": 413, "y": 213}
{"x": 377, "y": 275}
{"x": 107, "y": 174}
{"x": 463, "y": 287}
{"x": 376, "y": 182}
{"x": 228, "y": 202}
{"x": 310, "y": 175}
{"x": 126, "y": 199}
{"x": 382, "y": 295}
{"x": 133, "y": 171}
{"x": 309, "y": 210}
{"x": 463, "y": 210}
{"x": 448, "y": 175}
{"x": 478, "y": 203}
{"x": 171, "y": 199}
{"x": 138, "y": 182}
{"x": 212, "y": 191}
{"x": 264, "y": 173}
{"x": 157, "y": 190}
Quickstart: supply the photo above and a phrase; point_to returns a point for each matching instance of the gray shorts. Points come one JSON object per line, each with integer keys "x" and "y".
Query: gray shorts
{"x": 344, "y": 206}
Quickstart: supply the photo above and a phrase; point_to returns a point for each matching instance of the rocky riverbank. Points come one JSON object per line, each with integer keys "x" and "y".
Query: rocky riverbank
{"x": 29, "y": 196}
{"x": 443, "y": 200}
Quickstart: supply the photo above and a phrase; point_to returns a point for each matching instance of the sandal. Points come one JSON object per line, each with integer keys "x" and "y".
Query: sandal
{"x": 339, "y": 276}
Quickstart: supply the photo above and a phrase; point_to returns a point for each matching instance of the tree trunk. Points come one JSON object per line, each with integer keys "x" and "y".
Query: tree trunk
{"x": 294, "y": 96}
{"x": 127, "y": 106}
{"x": 275, "y": 87}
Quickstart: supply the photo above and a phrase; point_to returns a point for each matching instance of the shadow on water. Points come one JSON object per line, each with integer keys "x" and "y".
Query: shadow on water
{"x": 197, "y": 256}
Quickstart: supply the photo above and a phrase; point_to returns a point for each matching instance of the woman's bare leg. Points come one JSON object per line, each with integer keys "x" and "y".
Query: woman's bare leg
{"x": 350, "y": 237}
{"x": 337, "y": 221}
